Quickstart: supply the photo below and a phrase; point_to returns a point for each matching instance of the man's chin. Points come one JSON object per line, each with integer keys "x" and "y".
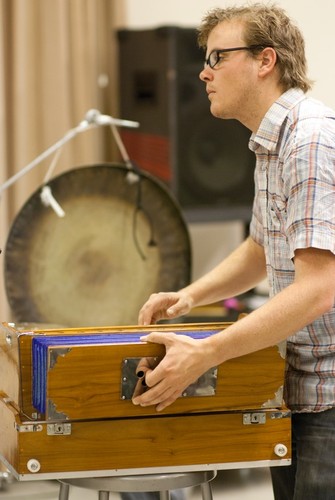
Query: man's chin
{"x": 219, "y": 114}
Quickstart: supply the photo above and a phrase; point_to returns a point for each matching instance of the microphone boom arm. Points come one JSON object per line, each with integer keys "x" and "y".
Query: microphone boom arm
{"x": 88, "y": 123}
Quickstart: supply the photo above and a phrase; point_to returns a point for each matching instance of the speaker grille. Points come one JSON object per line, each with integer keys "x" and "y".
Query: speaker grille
{"x": 205, "y": 161}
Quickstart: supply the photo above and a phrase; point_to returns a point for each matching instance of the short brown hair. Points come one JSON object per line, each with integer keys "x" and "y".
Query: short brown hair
{"x": 266, "y": 26}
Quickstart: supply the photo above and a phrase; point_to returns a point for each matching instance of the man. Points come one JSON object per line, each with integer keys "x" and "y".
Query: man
{"x": 255, "y": 72}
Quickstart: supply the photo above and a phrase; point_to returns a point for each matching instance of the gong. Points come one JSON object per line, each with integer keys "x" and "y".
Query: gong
{"x": 122, "y": 238}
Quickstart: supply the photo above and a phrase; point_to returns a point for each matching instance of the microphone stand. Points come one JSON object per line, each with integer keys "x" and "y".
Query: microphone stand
{"x": 93, "y": 119}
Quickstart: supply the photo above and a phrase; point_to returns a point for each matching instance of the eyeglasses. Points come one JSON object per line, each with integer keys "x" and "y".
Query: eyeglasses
{"x": 214, "y": 57}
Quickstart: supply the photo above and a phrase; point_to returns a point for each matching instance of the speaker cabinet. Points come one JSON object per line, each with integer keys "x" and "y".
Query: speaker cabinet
{"x": 205, "y": 161}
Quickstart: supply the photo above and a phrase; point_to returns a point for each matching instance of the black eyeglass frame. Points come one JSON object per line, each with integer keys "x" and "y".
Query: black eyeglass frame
{"x": 233, "y": 49}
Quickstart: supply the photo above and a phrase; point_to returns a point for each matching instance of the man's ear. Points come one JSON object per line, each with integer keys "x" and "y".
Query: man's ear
{"x": 268, "y": 59}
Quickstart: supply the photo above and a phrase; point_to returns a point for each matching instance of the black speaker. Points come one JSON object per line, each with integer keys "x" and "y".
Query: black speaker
{"x": 204, "y": 160}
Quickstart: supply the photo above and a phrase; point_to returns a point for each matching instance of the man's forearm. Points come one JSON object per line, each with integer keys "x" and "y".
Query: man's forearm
{"x": 242, "y": 270}
{"x": 307, "y": 298}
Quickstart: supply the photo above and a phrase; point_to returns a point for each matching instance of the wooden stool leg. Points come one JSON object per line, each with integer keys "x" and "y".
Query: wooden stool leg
{"x": 164, "y": 495}
{"x": 103, "y": 495}
{"x": 64, "y": 491}
{"x": 206, "y": 491}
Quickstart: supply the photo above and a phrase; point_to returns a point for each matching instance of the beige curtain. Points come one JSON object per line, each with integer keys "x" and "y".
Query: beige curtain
{"x": 58, "y": 60}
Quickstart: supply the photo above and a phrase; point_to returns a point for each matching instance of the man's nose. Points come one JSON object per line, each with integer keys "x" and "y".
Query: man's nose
{"x": 204, "y": 75}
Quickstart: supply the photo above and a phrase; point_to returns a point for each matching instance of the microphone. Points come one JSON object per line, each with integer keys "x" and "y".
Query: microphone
{"x": 94, "y": 117}
{"x": 48, "y": 200}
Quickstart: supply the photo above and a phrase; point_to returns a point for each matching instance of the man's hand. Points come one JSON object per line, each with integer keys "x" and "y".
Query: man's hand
{"x": 185, "y": 361}
{"x": 164, "y": 305}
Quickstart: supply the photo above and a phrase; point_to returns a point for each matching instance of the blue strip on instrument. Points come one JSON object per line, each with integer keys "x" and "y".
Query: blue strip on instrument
{"x": 41, "y": 344}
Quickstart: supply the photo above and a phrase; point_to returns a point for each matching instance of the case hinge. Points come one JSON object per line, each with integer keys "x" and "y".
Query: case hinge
{"x": 29, "y": 428}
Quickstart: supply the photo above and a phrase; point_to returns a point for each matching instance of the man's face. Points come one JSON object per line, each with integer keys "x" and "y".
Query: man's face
{"x": 231, "y": 84}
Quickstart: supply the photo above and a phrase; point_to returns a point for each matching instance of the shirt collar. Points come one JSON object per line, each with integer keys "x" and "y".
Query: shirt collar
{"x": 268, "y": 132}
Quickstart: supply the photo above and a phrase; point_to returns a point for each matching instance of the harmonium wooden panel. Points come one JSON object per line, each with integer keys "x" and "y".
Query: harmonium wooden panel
{"x": 66, "y": 409}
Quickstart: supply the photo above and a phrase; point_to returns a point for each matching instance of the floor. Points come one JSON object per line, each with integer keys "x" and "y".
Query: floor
{"x": 246, "y": 484}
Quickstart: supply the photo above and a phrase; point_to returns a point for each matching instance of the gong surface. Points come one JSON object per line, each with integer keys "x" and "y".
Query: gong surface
{"x": 119, "y": 242}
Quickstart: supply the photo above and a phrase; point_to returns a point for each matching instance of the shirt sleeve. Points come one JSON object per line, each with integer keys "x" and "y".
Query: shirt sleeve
{"x": 309, "y": 179}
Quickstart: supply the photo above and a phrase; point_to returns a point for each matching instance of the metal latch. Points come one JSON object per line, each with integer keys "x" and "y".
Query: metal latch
{"x": 254, "y": 418}
{"x": 58, "y": 429}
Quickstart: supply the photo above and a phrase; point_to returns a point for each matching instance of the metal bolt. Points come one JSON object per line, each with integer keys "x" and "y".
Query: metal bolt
{"x": 280, "y": 450}
{"x": 33, "y": 465}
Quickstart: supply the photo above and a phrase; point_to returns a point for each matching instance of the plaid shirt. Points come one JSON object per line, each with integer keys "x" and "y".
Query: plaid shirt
{"x": 294, "y": 208}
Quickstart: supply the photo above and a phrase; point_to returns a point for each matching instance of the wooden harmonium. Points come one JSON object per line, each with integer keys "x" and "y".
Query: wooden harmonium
{"x": 66, "y": 409}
